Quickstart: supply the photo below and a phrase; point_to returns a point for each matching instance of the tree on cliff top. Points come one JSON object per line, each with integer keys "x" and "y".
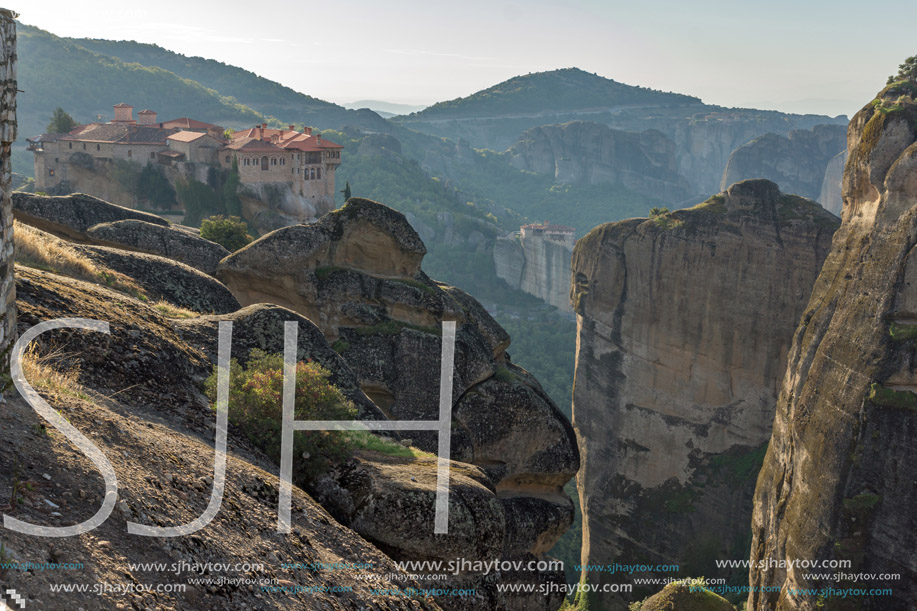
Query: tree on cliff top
{"x": 61, "y": 122}
{"x": 231, "y": 232}
{"x": 906, "y": 71}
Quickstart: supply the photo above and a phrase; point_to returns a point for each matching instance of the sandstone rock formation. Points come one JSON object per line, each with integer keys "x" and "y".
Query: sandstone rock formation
{"x": 70, "y": 216}
{"x": 165, "y": 279}
{"x": 537, "y": 265}
{"x": 684, "y": 321}
{"x": 157, "y": 239}
{"x": 830, "y": 196}
{"x": 269, "y": 206}
{"x": 838, "y": 481}
{"x": 582, "y": 152}
{"x": 356, "y": 274}
{"x": 797, "y": 162}
{"x": 261, "y": 326}
{"x": 682, "y": 596}
{"x": 138, "y": 399}
{"x": 89, "y": 220}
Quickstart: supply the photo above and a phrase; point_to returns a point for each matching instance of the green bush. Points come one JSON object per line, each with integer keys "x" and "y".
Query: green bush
{"x": 256, "y": 407}
{"x": 230, "y": 232}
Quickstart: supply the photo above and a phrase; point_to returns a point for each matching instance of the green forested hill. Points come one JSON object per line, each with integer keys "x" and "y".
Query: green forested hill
{"x": 267, "y": 96}
{"x": 54, "y": 72}
{"x": 565, "y": 90}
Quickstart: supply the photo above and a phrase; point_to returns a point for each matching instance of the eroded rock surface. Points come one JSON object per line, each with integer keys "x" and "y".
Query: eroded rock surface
{"x": 356, "y": 274}
{"x": 838, "y": 481}
{"x": 583, "y": 152}
{"x": 136, "y": 396}
{"x": 163, "y": 278}
{"x": 684, "y": 321}
{"x": 143, "y": 236}
{"x": 797, "y": 162}
{"x": 69, "y": 216}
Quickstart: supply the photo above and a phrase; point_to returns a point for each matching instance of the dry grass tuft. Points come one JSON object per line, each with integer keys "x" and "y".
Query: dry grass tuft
{"x": 43, "y": 251}
{"x": 173, "y": 311}
{"x": 52, "y": 373}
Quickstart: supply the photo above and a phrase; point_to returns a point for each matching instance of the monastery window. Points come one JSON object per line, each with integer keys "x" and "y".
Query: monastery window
{"x": 98, "y": 147}
{"x": 283, "y": 161}
{"x": 69, "y": 145}
{"x": 264, "y": 162}
{"x": 227, "y": 158}
{"x": 298, "y": 156}
{"x": 84, "y": 146}
{"x": 130, "y": 153}
{"x": 318, "y": 173}
{"x": 50, "y": 172}
{"x": 57, "y": 160}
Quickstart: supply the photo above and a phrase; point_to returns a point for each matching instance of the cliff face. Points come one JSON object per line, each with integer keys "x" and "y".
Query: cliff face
{"x": 684, "y": 321}
{"x": 582, "y": 152}
{"x": 830, "y": 196}
{"x": 538, "y": 266}
{"x": 797, "y": 162}
{"x": 838, "y": 478}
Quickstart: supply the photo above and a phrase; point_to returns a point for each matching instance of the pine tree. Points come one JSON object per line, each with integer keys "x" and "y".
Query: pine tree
{"x": 61, "y": 122}
{"x": 346, "y": 191}
{"x": 906, "y": 71}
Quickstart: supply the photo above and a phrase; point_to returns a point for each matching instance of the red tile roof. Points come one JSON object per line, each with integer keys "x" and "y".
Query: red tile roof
{"x": 252, "y": 145}
{"x": 122, "y": 133}
{"x": 186, "y": 123}
{"x": 287, "y": 139}
{"x": 186, "y": 136}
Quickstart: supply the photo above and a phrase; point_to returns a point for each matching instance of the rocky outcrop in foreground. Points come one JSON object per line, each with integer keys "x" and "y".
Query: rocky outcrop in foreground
{"x": 838, "y": 481}
{"x": 797, "y": 162}
{"x": 181, "y": 246}
{"x": 69, "y": 216}
{"x": 684, "y": 321}
{"x": 356, "y": 274}
{"x": 89, "y": 220}
{"x": 136, "y": 395}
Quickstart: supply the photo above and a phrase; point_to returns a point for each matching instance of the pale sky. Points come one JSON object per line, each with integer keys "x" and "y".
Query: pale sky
{"x": 795, "y": 56}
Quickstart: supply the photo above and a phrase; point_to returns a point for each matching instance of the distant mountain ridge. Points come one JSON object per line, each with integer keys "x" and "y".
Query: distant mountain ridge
{"x": 556, "y": 90}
